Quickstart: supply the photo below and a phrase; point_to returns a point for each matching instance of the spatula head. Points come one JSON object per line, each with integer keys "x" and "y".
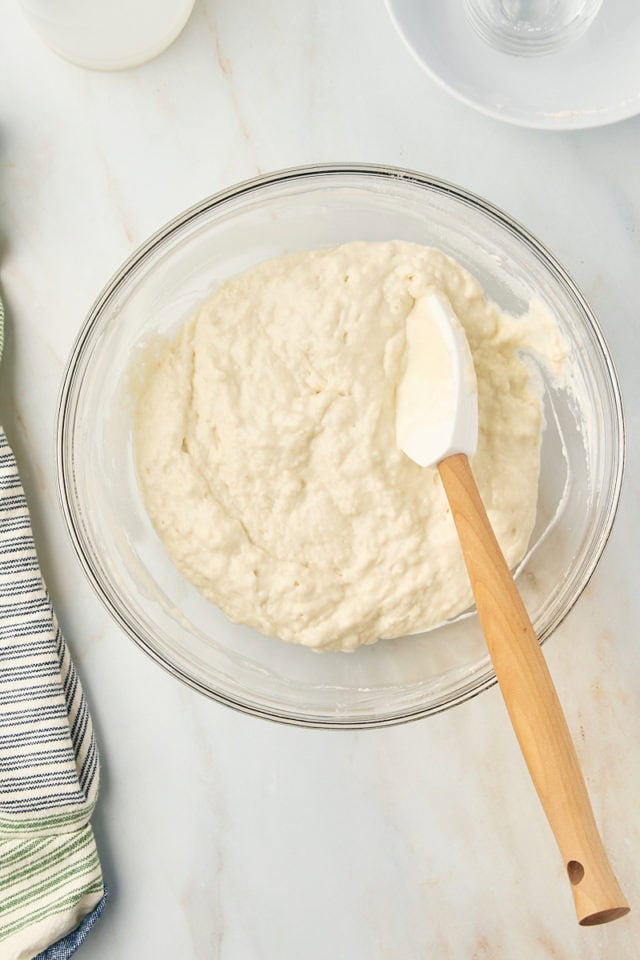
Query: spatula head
{"x": 437, "y": 397}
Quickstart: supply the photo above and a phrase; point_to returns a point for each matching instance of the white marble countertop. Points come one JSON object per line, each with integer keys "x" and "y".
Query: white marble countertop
{"x": 231, "y": 838}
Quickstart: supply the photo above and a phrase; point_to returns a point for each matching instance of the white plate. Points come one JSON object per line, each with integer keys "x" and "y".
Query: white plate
{"x": 592, "y": 82}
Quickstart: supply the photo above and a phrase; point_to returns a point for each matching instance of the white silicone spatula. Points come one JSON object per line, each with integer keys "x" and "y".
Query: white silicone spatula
{"x": 437, "y": 424}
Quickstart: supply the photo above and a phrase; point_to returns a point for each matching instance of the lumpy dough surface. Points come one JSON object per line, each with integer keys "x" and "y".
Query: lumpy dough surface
{"x": 266, "y": 450}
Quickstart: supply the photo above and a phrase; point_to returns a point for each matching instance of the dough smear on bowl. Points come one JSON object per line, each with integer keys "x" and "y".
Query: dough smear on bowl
{"x": 266, "y": 450}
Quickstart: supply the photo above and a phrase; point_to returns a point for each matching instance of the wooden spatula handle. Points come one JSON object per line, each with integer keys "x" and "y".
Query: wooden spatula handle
{"x": 532, "y": 702}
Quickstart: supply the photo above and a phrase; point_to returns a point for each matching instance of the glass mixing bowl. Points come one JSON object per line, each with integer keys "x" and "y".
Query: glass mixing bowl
{"x": 162, "y": 283}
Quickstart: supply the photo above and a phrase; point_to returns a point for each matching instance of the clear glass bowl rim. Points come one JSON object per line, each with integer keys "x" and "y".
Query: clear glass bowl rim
{"x": 314, "y": 173}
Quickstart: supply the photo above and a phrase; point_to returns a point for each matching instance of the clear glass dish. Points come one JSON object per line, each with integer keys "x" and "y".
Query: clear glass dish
{"x": 162, "y": 283}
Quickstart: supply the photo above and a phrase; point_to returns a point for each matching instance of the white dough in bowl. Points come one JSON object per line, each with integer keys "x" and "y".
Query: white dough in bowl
{"x": 266, "y": 450}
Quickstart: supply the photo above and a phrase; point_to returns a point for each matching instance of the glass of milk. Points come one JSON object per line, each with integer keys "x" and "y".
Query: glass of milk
{"x": 108, "y": 34}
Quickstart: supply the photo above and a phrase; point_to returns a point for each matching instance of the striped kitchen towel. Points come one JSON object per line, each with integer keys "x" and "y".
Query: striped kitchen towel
{"x": 50, "y": 877}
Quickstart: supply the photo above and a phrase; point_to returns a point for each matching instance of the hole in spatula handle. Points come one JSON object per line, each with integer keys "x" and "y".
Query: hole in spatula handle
{"x": 575, "y": 871}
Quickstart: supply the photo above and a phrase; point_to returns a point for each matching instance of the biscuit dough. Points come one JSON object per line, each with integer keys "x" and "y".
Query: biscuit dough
{"x": 266, "y": 450}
